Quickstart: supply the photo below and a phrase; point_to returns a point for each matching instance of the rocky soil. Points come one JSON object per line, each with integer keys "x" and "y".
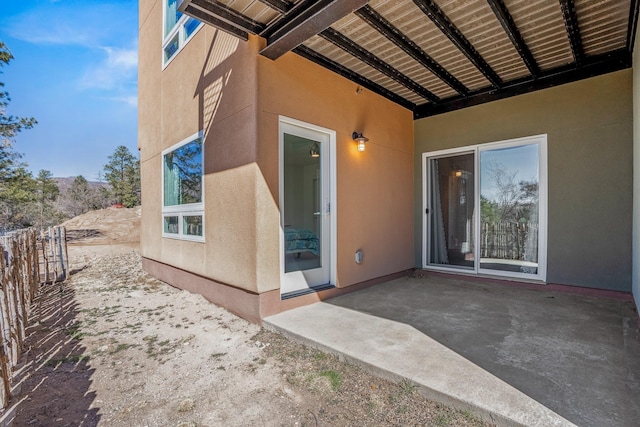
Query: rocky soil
{"x": 113, "y": 346}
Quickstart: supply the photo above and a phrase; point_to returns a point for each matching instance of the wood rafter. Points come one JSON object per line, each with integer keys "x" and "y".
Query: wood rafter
{"x": 431, "y": 9}
{"x": 571, "y": 24}
{"x": 509, "y": 26}
{"x": 370, "y": 59}
{"x": 309, "y": 22}
{"x": 385, "y": 28}
{"x": 325, "y": 62}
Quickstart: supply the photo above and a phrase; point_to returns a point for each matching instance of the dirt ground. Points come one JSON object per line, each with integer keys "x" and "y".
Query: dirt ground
{"x": 113, "y": 346}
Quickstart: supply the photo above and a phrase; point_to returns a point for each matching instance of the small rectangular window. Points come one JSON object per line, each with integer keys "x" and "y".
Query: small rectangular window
{"x": 177, "y": 30}
{"x": 171, "y": 48}
{"x": 182, "y": 198}
{"x": 192, "y": 225}
{"x": 190, "y": 27}
{"x": 171, "y": 224}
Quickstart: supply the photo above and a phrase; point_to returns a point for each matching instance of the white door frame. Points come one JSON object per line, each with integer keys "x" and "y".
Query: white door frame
{"x": 296, "y": 281}
{"x": 541, "y": 140}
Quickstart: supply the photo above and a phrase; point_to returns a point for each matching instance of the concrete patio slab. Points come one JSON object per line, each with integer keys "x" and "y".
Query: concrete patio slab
{"x": 513, "y": 356}
{"x": 397, "y": 351}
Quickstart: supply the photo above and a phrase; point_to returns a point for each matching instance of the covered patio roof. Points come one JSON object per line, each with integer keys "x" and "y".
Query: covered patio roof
{"x": 435, "y": 56}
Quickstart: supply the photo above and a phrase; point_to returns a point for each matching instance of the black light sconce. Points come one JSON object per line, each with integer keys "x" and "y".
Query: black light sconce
{"x": 360, "y": 139}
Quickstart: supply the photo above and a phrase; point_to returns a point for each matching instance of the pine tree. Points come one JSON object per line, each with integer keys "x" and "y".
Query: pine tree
{"x": 123, "y": 174}
{"x": 16, "y": 183}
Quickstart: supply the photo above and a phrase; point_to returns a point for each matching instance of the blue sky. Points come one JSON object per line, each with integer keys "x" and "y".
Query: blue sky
{"x": 75, "y": 71}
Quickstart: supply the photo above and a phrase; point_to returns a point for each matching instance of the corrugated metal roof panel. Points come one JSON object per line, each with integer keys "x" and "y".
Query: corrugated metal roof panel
{"x": 414, "y": 24}
{"x": 252, "y": 9}
{"x": 478, "y": 23}
{"x": 603, "y": 24}
{"x": 345, "y": 59}
{"x": 542, "y": 27}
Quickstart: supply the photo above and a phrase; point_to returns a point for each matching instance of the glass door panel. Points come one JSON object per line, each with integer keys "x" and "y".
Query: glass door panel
{"x": 509, "y": 209}
{"x": 302, "y": 204}
{"x": 451, "y": 208}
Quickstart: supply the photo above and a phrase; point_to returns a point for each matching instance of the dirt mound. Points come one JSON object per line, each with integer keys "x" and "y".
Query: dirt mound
{"x": 105, "y": 227}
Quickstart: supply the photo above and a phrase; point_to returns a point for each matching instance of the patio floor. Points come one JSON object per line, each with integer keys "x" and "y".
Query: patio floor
{"x": 516, "y": 355}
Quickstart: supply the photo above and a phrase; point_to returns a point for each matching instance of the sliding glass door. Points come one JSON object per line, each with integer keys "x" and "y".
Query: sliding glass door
{"x": 485, "y": 209}
{"x": 452, "y": 204}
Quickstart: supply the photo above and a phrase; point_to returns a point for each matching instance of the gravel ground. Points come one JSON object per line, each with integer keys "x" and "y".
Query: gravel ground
{"x": 113, "y": 346}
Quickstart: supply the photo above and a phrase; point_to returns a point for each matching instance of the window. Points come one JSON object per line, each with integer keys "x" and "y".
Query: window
{"x": 182, "y": 198}
{"x": 177, "y": 30}
{"x": 486, "y": 208}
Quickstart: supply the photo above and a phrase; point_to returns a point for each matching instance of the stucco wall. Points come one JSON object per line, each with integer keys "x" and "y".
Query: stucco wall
{"x": 210, "y": 85}
{"x": 636, "y": 170}
{"x": 590, "y": 144}
{"x": 374, "y": 188}
{"x": 221, "y": 85}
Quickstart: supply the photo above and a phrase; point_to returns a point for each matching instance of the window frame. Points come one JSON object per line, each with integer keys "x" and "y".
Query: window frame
{"x": 183, "y": 210}
{"x": 179, "y": 30}
{"x": 543, "y": 199}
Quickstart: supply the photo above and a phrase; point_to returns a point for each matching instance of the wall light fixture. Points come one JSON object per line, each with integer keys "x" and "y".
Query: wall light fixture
{"x": 360, "y": 139}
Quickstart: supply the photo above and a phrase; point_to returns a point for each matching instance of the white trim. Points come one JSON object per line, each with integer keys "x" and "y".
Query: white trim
{"x": 189, "y": 209}
{"x": 178, "y": 29}
{"x": 333, "y": 204}
{"x": 541, "y": 141}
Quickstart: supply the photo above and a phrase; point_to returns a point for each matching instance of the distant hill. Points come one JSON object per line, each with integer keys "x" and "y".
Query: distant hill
{"x": 65, "y": 183}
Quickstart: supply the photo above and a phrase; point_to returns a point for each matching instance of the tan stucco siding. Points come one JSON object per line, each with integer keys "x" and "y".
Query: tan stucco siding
{"x": 221, "y": 85}
{"x": 589, "y": 128}
{"x": 210, "y": 86}
{"x": 374, "y": 188}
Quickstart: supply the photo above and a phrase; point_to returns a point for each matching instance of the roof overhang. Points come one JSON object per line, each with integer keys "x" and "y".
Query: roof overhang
{"x": 435, "y": 56}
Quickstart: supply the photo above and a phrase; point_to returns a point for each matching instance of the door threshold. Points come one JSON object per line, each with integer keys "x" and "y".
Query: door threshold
{"x": 306, "y": 291}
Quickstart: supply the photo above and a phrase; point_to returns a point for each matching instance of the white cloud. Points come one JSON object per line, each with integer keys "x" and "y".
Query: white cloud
{"x": 79, "y": 23}
{"x": 118, "y": 69}
{"x": 131, "y": 100}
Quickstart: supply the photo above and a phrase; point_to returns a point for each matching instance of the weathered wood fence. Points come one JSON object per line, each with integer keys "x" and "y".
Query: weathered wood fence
{"x": 29, "y": 259}
{"x": 506, "y": 240}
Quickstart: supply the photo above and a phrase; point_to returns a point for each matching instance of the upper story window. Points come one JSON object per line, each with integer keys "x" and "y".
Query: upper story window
{"x": 182, "y": 201}
{"x": 177, "y": 30}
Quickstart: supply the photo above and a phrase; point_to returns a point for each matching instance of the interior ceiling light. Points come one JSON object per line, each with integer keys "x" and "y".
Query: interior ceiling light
{"x": 315, "y": 150}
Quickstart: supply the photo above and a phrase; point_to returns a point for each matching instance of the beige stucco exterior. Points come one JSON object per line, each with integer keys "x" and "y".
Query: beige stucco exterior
{"x": 589, "y": 129}
{"x": 222, "y": 86}
{"x": 219, "y": 84}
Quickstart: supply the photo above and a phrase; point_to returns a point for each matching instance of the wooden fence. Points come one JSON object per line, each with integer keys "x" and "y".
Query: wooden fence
{"x": 506, "y": 240}
{"x": 30, "y": 259}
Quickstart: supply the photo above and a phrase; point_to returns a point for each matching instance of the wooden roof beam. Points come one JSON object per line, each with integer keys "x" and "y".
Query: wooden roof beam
{"x": 431, "y": 9}
{"x": 393, "y": 34}
{"x": 573, "y": 32}
{"x": 312, "y": 20}
{"x": 509, "y": 26}
{"x": 370, "y": 59}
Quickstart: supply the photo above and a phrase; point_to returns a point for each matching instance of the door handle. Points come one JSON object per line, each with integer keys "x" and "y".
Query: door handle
{"x": 317, "y": 213}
